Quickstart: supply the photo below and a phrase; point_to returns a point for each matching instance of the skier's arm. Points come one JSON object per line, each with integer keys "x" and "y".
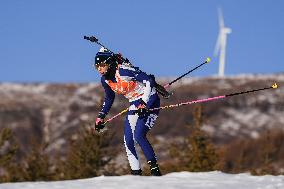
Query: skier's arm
{"x": 109, "y": 98}
{"x": 137, "y": 75}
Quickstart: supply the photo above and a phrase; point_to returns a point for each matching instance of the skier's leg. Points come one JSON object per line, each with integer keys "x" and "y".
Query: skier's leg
{"x": 144, "y": 124}
{"x": 129, "y": 142}
{"x": 142, "y": 128}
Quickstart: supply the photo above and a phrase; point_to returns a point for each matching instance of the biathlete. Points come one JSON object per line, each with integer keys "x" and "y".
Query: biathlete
{"x": 139, "y": 88}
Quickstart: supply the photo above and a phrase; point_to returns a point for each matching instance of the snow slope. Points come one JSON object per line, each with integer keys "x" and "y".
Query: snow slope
{"x": 181, "y": 180}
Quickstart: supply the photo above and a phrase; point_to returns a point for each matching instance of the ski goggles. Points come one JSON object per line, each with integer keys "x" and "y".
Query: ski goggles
{"x": 101, "y": 64}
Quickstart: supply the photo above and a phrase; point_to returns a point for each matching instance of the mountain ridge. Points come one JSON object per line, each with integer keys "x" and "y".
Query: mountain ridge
{"x": 54, "y": 112}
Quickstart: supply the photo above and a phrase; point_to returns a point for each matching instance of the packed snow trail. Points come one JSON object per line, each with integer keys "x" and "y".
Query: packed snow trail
{"x": 181, "y": 180}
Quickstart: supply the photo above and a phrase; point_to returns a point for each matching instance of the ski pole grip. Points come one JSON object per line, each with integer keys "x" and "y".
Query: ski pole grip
{"x": 91, "y": 38}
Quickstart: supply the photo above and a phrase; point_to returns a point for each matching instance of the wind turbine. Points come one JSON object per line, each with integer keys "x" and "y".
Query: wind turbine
{"x": 220, "y": 47}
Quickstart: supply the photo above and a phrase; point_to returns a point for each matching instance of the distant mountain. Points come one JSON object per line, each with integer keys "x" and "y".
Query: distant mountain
{"x": 55, "y": 112}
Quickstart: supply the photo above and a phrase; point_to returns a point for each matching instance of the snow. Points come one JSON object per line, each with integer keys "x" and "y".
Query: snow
{"x": 181, "y": 180}
{"x": 19, "y": 87}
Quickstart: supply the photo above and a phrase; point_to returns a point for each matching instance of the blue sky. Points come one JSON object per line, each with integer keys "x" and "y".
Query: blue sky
{"x": 42, "y": 41}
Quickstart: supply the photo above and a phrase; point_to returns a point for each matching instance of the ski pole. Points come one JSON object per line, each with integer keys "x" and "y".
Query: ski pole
{"x": 180, "y": 77}
{"x": 120, "y": 113}
{"x": 274, "y": 86}
{"x": 162, "y": 89}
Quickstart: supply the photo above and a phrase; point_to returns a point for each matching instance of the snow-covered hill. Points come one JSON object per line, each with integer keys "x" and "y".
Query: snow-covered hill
{"x": 181, "y": 180}
{"x": 53, "y": 112}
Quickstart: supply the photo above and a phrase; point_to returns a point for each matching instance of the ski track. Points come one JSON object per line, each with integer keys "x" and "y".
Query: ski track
{"x": 181, "y": 180}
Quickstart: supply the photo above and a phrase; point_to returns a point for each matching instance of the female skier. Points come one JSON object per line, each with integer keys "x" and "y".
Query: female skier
{"x": 139, "y": 89}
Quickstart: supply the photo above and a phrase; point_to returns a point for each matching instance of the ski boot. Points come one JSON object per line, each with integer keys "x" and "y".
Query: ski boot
{"x": 154, "y": 168}
{"x": 136, "y": 172}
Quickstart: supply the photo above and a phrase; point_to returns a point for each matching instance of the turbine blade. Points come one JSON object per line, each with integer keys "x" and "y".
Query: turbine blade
{"x": 220, "y": 18}
{"x": 217, "y": 45}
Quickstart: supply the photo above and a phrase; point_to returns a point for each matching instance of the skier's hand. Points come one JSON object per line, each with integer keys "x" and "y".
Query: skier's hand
{"x": 100, "y": 124}
{"x": 142, "y": 110}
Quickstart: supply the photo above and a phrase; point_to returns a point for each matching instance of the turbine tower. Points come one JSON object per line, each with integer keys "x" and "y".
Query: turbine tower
{"x": 220, "y": 47}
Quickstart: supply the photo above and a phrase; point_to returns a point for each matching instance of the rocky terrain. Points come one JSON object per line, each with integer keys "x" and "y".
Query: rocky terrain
{"x": 55, "y": 112}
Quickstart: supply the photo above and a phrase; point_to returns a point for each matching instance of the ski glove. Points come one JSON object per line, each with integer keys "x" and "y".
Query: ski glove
{"x": 100, "y": 124}
{"x": 142, "y": 112}
{"x": 142, "y": 109}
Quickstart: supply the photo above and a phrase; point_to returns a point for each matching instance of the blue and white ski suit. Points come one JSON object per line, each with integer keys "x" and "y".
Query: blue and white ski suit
{"x": 136, "y": 86}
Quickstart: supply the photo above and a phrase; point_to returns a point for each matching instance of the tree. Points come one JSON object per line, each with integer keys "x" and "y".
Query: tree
{"x": 267, "y": 153}
{"x": 196, "y": 153}
{"x": 202, "y": 155}
{"x": 36, "y": 165}
{"x": 87, "y": 155}
{"x": 8, "y": 150}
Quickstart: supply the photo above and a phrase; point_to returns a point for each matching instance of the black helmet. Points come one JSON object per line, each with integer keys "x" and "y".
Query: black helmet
{"x": 107, "y": 58}
{"x": 103, "y": 56}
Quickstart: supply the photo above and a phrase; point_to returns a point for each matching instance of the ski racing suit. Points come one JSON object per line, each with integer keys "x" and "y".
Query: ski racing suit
{"x": 136, "y": 86}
